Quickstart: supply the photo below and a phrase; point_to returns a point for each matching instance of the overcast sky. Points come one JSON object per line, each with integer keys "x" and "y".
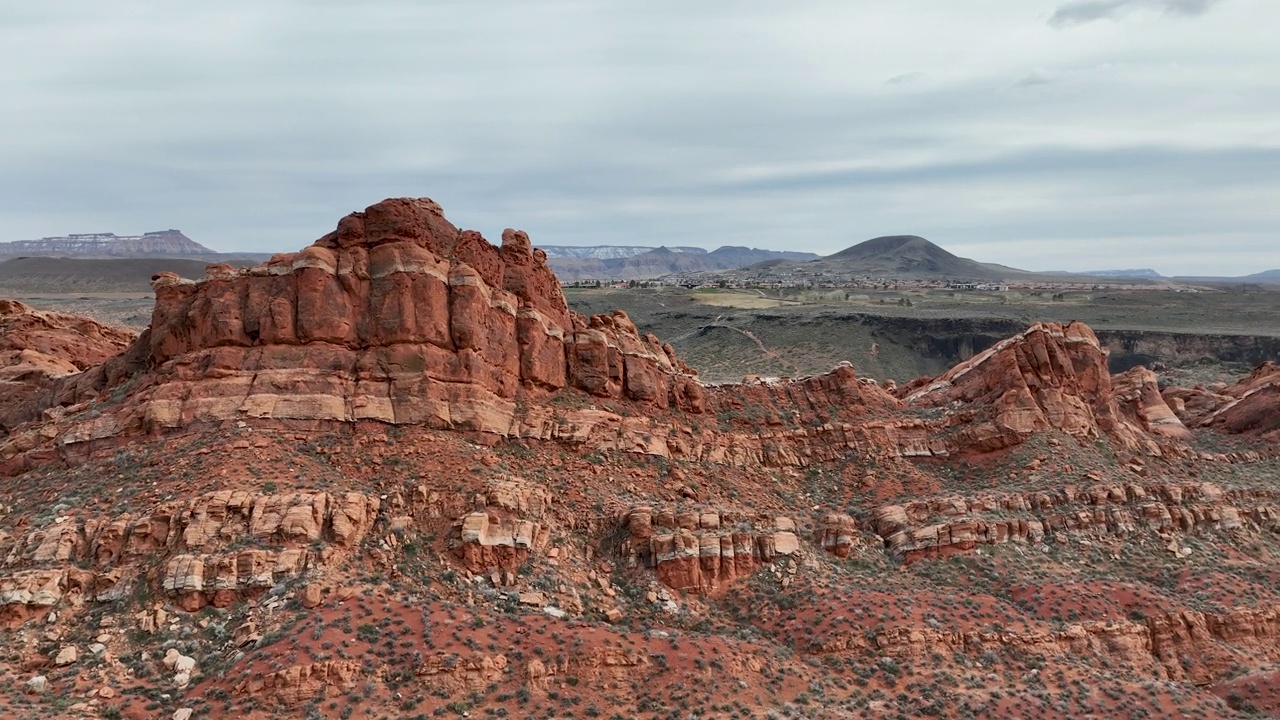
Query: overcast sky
{"x": 1043, "y": 134}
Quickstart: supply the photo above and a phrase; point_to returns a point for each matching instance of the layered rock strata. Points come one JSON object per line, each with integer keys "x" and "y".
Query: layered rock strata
{"x": 76, "y": 558}
{"x": 704, "y": 551}
{"x": 399, "y": 317}
{"x": 956, "y": 524}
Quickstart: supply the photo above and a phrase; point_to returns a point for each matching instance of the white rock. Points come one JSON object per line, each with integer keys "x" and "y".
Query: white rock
{"x": 182, "y": 714}
{"x": 97, "y": 648}
{"x": 182, "y": 680}
{"x": 554, "y": 611}
{"x": 170, "y": 657}
{"x": 37, "y": 685}
{"x": 66, "y": 655}
{"x": 184, "y": 664}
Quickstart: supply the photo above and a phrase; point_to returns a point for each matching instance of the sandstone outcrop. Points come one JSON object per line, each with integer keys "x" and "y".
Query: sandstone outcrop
{"x": 838, "y": 534}
{"x": 301, "y": 682}
{"x": 1250, "y": 407}
{"x": 1051, "y": 377}
{"x": 395, "y": 316}
{"x": 704, "y": 551}
{"x": 86, "y": 558}
{"x": 487, "y": 541}
{"x": 506, "y": 526}
{"x": 943, "y": 526}
{"x": 38, "y": 347}
{"x": 398, "y": 317}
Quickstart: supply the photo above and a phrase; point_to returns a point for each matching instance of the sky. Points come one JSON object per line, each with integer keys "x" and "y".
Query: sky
{"x": 1041, "y": 134}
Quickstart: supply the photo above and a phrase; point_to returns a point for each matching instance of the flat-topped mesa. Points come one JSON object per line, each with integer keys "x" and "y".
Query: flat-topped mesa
{"x": 1050, "y": 377}
{"x": 394, "y": 316}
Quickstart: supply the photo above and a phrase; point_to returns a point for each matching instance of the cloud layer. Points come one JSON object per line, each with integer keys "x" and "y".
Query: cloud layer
{"x": 253, "y": 127}
{"x": 1085, "y": 11}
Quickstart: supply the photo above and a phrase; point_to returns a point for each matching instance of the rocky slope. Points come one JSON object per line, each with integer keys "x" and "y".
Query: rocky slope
{"x": 394, "y": 474}
{"x": 1251, "y": 406}
{"x": 38, "y": 349}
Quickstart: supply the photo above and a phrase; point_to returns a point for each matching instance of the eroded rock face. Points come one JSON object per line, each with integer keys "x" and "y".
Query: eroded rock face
{"x": 704, "y": 551}
{"x": 80, "y": 558}
{"x": 1137, "y": 394}
{"x": 395, "y": 316}
{"x": 505, "y": 528}
{"x": 1165, "y": 509}
{"x": 1049, "y": 377}
{"x": 1250, "y": 407}
{"x": 37, "y": 348}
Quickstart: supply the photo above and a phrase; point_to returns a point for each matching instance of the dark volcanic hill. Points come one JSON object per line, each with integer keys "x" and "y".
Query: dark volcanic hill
{"x": 664, "y": 261}
{"x": 909, "y": 257}
{"x": 159, "y": 242}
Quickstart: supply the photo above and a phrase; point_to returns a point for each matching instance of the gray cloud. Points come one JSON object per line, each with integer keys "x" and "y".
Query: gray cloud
{"x": 1034, "y": 78}
{"x": 255, "y": 127}
{"x": 1080, "y": 12}
{"x": 905, "y": 78}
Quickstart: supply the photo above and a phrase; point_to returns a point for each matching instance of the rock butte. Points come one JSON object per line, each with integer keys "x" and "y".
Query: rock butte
{"x": 399, "y": 323}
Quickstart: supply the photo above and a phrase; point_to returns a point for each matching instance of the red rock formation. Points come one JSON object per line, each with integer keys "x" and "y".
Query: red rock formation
{"x": 395, "y": 316}
{"x": 37, "y": 348}
{"x": 1250, "y": 407}
{"x": 399, "y": 317}
{"x": 1049, "y": 377}
{"x": 1137, "y": 394}
{"x": 87, "y": 557}
{"x": 704, "y": 551}
{"x": 1165, "y": 509}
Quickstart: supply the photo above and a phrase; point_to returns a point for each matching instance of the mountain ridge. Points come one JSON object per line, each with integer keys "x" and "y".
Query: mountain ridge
{"x": 660, "y": 261}
{"x": 156, "y": 242}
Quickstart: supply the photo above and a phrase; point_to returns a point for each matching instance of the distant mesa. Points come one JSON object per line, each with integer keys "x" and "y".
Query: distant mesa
{"x": 607, "y": 252}
{"x": 1145, "y": 273}
{"x": 613, "y": 262}
{"x": 150, "y": 244}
